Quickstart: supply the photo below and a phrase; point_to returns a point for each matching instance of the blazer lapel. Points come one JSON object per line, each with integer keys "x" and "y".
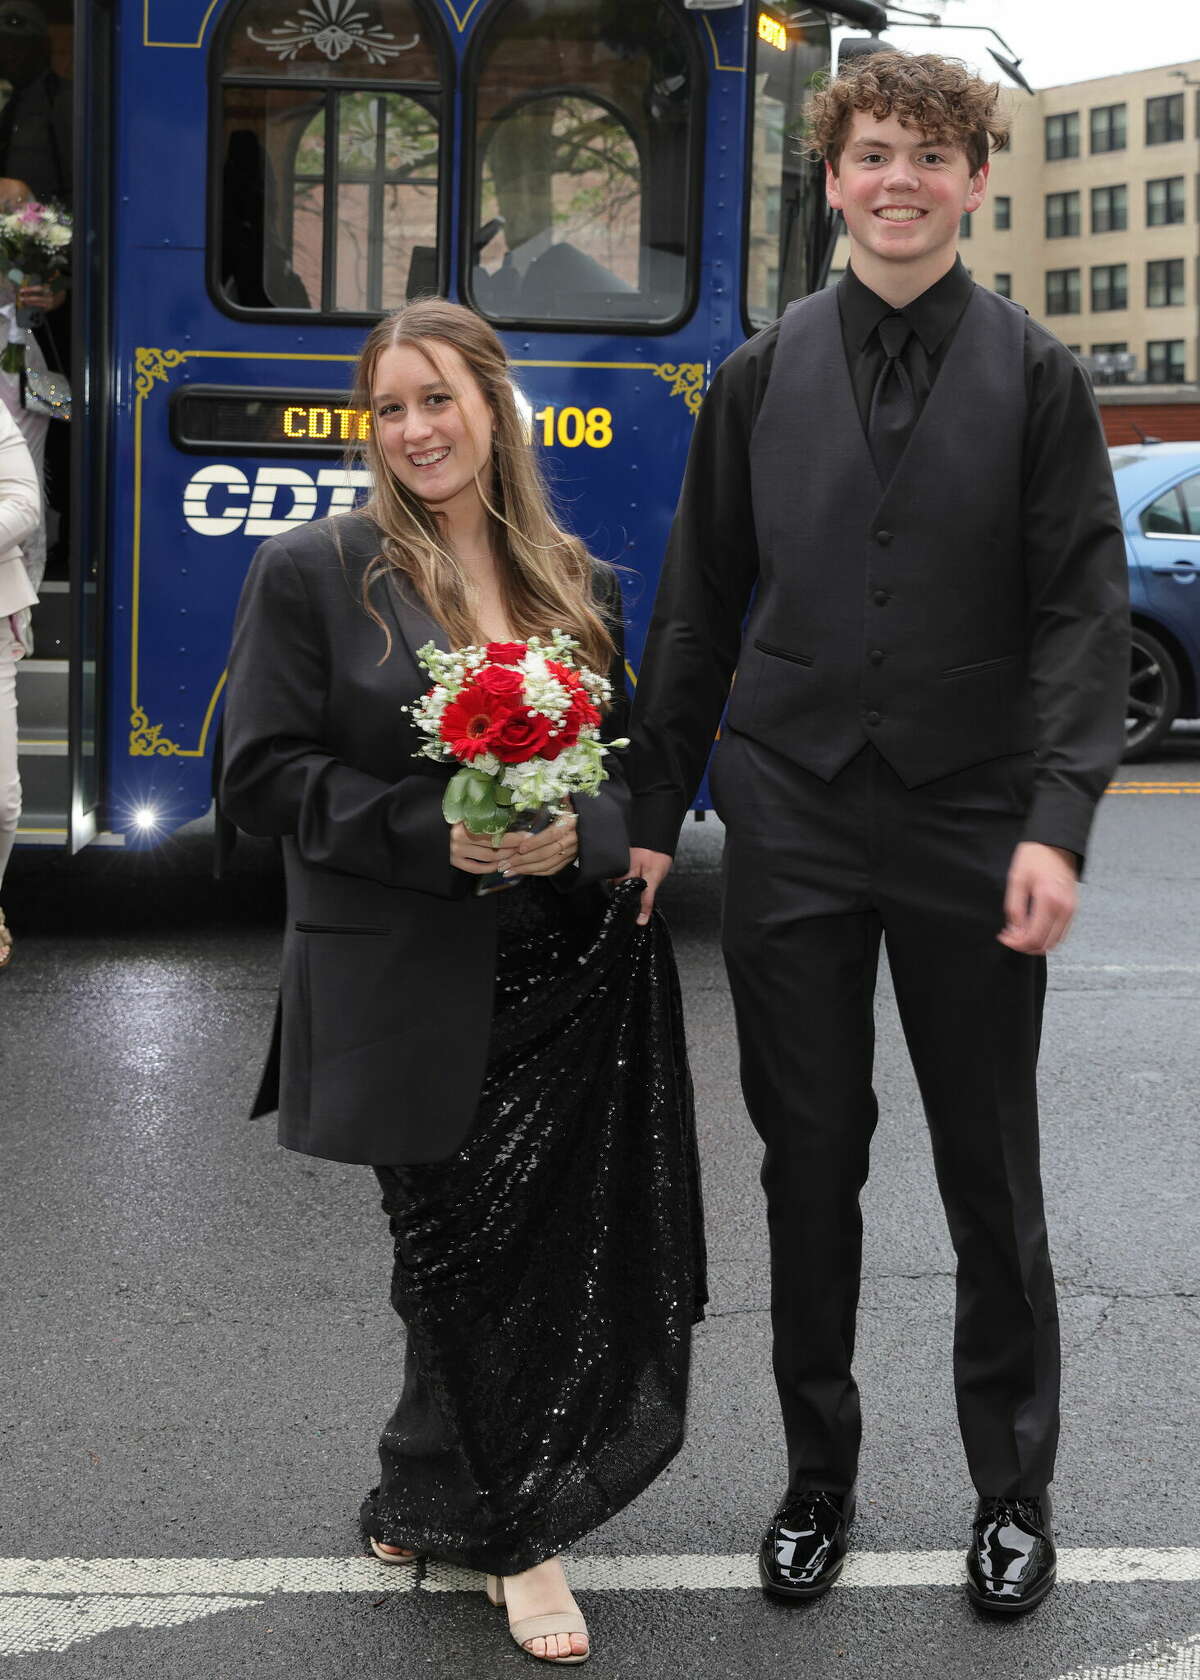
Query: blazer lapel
{"x": 415, "y": 623}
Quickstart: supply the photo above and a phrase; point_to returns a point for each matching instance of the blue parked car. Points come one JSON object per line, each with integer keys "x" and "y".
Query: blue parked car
{"x": 1158, "y": 486}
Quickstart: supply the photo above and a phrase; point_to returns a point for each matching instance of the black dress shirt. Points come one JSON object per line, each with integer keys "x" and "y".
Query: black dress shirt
{"x": 933, "y": 317}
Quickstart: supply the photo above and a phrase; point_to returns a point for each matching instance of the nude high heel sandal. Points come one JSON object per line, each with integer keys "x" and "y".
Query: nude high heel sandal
{"x": 539, "y": 1627}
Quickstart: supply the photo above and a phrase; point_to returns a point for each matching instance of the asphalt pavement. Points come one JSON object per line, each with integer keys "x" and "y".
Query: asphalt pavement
{"x": 199, "y": 1350}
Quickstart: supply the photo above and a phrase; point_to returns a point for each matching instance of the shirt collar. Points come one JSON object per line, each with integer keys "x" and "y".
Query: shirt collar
{"x": 931, "y": 316}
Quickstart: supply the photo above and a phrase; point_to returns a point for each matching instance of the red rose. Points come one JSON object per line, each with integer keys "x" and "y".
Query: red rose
{"x": 506, "y": 653}
{"x": 520, "y": 736}
{"x": 501, "y": 681}
{"x": 470, "y": 722}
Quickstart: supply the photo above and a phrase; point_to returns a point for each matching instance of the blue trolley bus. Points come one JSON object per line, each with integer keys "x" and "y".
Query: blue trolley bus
{"x": 616, "y": 186}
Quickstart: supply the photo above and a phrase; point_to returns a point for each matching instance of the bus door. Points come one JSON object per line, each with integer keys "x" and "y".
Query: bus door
{"x": 53, "y": 58}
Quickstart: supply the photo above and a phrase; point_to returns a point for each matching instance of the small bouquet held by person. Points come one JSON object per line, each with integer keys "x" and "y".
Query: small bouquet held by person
{"x": 34, "y": 243}
{"x": 523, "y": 721}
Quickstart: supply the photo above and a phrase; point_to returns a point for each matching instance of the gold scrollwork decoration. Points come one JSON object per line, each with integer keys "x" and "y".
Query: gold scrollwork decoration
{"x": 146, "y": 738}
{"x": 150, "y": 365}
{"x": 686, "y": 380}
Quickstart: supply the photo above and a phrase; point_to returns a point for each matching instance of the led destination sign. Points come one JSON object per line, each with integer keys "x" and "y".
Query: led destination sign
{"x": 230, "y": 420}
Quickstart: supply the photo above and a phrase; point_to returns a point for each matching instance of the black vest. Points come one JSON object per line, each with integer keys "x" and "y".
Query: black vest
{"x": 892, "y": 614}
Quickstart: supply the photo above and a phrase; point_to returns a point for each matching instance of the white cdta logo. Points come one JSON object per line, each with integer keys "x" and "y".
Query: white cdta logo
{"x": 220, "y": 499}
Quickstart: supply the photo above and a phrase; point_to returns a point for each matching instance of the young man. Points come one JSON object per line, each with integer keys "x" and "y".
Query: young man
{"x": 904, "y": 484}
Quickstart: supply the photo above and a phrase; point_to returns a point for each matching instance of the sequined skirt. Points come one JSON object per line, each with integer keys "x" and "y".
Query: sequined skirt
{"x": 548, "y": 1275}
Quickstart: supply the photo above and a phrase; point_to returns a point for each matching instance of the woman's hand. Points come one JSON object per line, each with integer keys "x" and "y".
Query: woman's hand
{"x": 476, "y": 855}
{"x": 43, "y": 297}
{"x": 549, "y": 852}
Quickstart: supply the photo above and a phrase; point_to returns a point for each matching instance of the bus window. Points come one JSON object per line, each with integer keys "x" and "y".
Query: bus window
{"x": 786, "y": 210}
{"x": 584, "y": 137}
{"x": 329, "y": 149}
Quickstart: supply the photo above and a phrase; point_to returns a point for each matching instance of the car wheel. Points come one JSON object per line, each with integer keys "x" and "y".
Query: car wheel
{"x": 1153, "y": 695}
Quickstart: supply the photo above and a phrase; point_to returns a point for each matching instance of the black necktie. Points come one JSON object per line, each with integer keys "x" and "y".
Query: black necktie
{"x": 893, "y": 404}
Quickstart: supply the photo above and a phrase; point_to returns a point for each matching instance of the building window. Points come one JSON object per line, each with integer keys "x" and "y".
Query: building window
{"x": 1110, "y": 287}
{"x": 1108, "y": 128}
{"x": 579, "y": 158}
{"x": 1062, "y": 291}
{"x": 1062, "y": 136}
{"x": 1003, "y": 285}
{"x": 1166, "y": 361}
{"x": 1111, "y": 363}
{"x": 1164, "y": 119}
{"x": 1062, "y": 215}
{"x": 1165, "y": 201}
{"x": 964, "y": 225}
{"x": 329, "y": 161}
{"x": 1165, "y": 283}
{"x": 1003, "y": 214}
{"x": 1110, "y": 209}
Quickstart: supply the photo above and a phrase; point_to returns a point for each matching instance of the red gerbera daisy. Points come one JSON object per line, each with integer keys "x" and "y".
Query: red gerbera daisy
{"x": 469, "y": 723}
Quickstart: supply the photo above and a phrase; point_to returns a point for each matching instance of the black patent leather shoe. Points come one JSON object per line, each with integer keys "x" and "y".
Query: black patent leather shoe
{"x": 1011, "y": 1562}
{"x": 804, "y": 1548}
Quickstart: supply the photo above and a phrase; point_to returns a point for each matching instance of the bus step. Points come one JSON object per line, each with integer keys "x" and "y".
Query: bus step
{"x": 43, "y": 687}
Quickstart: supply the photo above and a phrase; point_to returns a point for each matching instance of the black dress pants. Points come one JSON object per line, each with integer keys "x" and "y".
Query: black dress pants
{"x": 815, "y": 874}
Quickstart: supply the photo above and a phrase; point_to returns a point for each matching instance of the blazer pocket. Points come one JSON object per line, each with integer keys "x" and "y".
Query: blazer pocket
{"x": 336, "y": 927}
{"x": 981, "y": 665}
{"x": 782, "y": 653}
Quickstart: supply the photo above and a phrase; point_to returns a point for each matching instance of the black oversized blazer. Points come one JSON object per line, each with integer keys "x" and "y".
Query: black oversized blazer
{"x": 388, "y": 959}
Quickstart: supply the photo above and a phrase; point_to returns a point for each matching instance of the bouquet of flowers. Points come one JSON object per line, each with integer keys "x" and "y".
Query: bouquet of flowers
{"x": 34, "y": 242}
{"x": 523, "y": 721}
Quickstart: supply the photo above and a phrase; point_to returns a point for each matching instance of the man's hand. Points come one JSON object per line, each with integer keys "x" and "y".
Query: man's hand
{"x": 653, "y": 868}
{"x": 1040, "y": 901}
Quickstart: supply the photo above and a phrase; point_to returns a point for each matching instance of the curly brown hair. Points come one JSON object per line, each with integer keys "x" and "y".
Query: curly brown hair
{"x": 935, "y": 97}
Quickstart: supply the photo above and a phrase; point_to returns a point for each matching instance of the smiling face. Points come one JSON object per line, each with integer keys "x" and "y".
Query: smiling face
{"x": 434, "y": 425}
{"x": 902, "y": 196}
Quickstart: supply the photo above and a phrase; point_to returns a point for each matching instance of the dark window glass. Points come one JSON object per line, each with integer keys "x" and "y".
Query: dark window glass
{"x": 786, "y": 190}
{"x": 1165, "y": 361}
{"x": 1110, "y": 287}
{"x": 584, "y": 127}
{"x": 1003, "y": 285}
{"x": 1164, "y": 119}
{"x": 1003, "y": 214}
{"x": 1110, "y": 209}
{"x": 1165, "y": 201}
{"x": 1062, "y": 136}
{"x": 964, "y": 226}
{"x": 1062, "y": 215}
{"x": 1189, "y": 490}
{"x": 1165, "y": 517}
{"x": 1165, "y": 284}
{"x": 1108, "y": 128}
{"x": 330, "y": 160}
{"x": 1062, "y": 291}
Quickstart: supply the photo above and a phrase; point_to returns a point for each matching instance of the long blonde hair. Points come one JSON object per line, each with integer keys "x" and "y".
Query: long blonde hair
{"x": 545, "y": 573}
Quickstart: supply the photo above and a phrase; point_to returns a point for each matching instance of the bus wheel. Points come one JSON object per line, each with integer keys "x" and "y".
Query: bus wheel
{"x": 1153, "y": 695}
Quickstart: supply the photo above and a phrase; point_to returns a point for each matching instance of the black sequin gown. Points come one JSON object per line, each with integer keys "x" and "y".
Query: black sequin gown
{"x": 548, "y": 1275}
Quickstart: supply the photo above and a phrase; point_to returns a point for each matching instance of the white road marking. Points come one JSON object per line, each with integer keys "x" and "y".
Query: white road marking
{"x": 1164, "y": 1660}
{"x": 49, "y": 1604}
{"x": 32, "y": 1623}
{"x": 706, "y": 1572}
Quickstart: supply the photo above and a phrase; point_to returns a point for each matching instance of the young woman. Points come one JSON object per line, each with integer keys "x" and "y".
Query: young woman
{"x": 512, "y": 1065}
{"x": 20, "y": 523}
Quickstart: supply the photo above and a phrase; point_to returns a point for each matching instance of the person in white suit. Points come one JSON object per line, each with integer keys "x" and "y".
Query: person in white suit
{"x": 20, "y": 520}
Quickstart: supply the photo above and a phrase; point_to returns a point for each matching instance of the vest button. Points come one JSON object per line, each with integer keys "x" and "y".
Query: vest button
{"x": 883, "y": 538}
{"x": 874, "y": 717}
{"x": 877, "y": 656}
{"x": 880, "y": 597}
